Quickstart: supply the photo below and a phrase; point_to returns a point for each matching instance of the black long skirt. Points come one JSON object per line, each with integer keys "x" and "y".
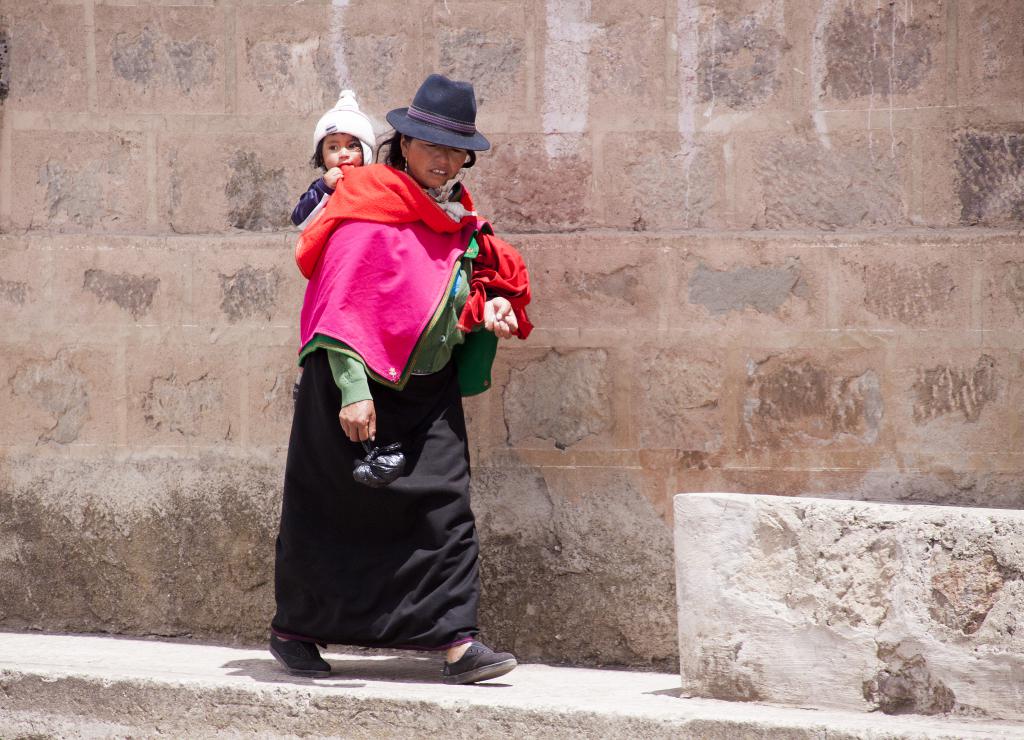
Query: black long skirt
{"x": 378, "y": 567}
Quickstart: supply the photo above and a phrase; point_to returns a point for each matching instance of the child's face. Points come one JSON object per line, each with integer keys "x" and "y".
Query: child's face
{"x": 341, "y": 149}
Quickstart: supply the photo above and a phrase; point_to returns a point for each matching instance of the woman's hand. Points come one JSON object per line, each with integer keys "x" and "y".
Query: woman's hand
{"x": 332, "y": 176}
{"x": 498, "y": 317}
{"x": 359, "y": 420}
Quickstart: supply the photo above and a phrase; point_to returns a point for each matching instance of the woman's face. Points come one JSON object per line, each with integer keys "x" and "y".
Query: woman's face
{"x": 432, "y": 165}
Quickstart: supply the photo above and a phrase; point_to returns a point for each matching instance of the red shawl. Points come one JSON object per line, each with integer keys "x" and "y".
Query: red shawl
{"x": 381, "y": 194}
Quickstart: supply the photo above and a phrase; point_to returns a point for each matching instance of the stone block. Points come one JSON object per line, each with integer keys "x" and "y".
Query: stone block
{"x": 950, "y": 406}
{"x": 185, "y": 394}
{"x": 1003, "y": 286}
{"x": 566, "y": 557}
{"x": 223, "y": 182}
{"x": 748, "y": 288}
{"x": 79, "y": 181}
{"x": 831, "y": 181}
{"x": 273, "y": 372}
{"x": 518, "y": 188}
{"x": 743, "y": 56}
{"x": 559, "y": 397}
{"x": 989, "y": 64}
{"x": 160, "y": 59}
{"x": 901, "y": 286}
{"x": 120, "y": 283}
{"x": 242, "y": 286}
{"x": 872, "y": 607}
{"x": 285, "y": 61}
{"x": 25, "y": 286}
{"x": 60, "y": 394}
{"x": 679, "y": 398}
{"x": 815, "y": 402}
{"x": 46, "y": 57}
{"x": 989, "y": 168}
{"x": 296, "y": 59}
{"x": 979, "y": 486}
{"x": 628, "y": 85}
{"x": 595, "y": 282}
{"x": 487, "y": 44}
{"x": 661, "y": 181}
{"x": 873, "y": 55}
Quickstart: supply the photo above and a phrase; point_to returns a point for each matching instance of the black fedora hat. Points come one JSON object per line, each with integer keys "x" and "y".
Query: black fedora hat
{"x": 443, "y": 112}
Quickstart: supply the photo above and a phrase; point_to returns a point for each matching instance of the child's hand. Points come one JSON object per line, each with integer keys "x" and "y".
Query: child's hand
{"x": 332, "y": 177}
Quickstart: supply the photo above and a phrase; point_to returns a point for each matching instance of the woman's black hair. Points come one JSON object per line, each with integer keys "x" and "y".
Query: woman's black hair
{"x": 390, "y": 153}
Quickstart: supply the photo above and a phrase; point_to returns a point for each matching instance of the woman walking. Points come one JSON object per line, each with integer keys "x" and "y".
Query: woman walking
{"x": 408, "y": 292}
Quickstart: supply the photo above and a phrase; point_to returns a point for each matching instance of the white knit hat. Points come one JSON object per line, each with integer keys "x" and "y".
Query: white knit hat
{"x": 346, "y": 118}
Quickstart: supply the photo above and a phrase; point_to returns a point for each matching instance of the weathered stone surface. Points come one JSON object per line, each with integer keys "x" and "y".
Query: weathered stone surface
{"x": 796, "y": 400}
{"x": 71, "y": 181}
{"x": 560, "y": 575}
{"x": 163, "y": 59}
{"x": 990, "y": 173}
{"x": 951, "y": 406}
{"x": 249, "y": 292}
{"x": 944, "y": 390}
{"x": 626, "y": 71}
{"x": 749, "y": 288}
{"x": 1003, "y": 285}
{"x": 679, "y": 400}
{"x": 45, "y": 58}
{"x": 879, "y": 288}
{"x": 989, "y": 66}
{"x": 214, "y": 183}
{"x": 96, "y": 686}
{"x": 740, "y": 55}
{"x": 186, "y": 395}
{"x": 285, "y": 61}
{"x": 5, "y": 57}
{"x": 158, "y": 546}
{"x": 252, "y": 285}
{"x": 273, "y": 372}
{"x": 589, "y": 282}
{"x": 912, "y": 609}
{"x": 370, "y": 43}
{"x": 59, "y": 396}
{"x": 881, "y": 50}
{"x": 562, "y": 398}
{"x": 947, "y": 486}
{"x": 133, "y": 293}
{"x": 855, "y": 180}
{"x": 488, "y": 47}
{"x": 508, "y": 178}
{"x": 685, "y": 192}
{"x": 763, "y": 289}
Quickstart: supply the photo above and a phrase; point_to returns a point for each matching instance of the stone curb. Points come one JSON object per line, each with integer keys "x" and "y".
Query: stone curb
{"x": 86, "y": 686}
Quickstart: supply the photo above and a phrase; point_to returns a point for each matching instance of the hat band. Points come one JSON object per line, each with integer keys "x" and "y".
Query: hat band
{"x": 441, "y": 121}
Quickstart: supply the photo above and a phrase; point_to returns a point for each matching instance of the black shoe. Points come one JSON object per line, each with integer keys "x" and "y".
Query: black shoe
{"x": 479, "y": 663}
{"x": 299, "y": 658}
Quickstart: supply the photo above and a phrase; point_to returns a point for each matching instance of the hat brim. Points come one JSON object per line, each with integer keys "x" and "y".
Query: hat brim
{"x": 400, "y": 121}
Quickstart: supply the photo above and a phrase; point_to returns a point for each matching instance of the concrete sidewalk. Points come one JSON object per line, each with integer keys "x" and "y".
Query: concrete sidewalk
{"x": 88, "y": 686}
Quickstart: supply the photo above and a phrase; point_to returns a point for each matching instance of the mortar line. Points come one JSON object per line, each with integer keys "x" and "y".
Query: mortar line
{"x": 952, "y": 47}
{"x": 6, "y": 127}
{"x": 92, "y": 95}
{"x": 230, "y": 61}
{"x": 151, "y": 180}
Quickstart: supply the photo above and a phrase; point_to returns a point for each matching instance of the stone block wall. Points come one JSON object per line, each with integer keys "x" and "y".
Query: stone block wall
{"x": 775, "y": 248}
